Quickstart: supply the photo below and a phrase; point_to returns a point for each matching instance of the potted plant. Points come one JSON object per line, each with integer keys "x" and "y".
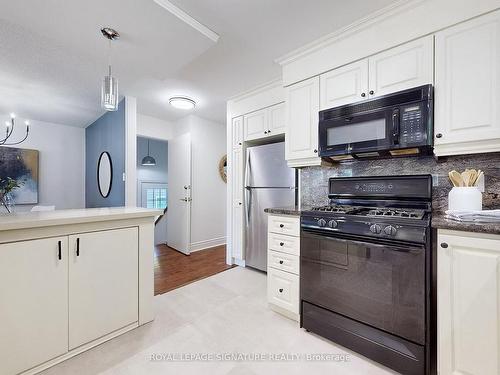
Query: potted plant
{"x": 7, "y": 185}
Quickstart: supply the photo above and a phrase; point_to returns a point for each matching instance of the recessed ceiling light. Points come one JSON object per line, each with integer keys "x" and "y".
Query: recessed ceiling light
{"x": 182, "y": 102}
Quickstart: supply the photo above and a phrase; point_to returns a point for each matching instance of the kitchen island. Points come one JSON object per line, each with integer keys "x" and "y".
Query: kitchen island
{"x": 70, "y": 280}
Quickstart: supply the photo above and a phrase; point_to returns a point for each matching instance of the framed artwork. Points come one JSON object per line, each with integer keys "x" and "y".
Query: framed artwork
{"x": 21, "y": 165}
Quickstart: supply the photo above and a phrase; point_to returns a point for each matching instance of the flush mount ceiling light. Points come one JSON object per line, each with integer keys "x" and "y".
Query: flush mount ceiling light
{"x": 109, "y": 89}
{"x": 182, "y": 102}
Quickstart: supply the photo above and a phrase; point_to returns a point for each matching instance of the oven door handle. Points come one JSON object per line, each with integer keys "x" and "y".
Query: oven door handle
{"x": 382, "y": 243}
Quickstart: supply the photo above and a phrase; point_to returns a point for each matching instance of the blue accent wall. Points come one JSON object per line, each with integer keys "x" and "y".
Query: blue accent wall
{"x": 107, "y": 133}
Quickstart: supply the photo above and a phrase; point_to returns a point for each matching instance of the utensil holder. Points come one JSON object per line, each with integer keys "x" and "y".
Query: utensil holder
{"x": 465, "y": 199}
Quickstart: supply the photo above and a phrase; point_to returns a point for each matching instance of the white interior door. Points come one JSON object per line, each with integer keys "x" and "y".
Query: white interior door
{"x": 179, "y": 202}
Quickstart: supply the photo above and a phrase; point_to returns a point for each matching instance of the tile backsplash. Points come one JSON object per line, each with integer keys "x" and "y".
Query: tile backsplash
{"x": 314, "y": 180}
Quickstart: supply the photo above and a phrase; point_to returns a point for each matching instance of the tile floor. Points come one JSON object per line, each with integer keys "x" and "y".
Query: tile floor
{"x": 225, "y": 313}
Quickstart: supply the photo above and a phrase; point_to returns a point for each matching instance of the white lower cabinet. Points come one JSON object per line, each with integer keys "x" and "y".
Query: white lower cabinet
{"x": 468, "y": 293}
{"x": 33, "y": 303}
{"x": 283, "y": 265}
{"x": 59, "y": 293}
{"x": 103, "y": 290}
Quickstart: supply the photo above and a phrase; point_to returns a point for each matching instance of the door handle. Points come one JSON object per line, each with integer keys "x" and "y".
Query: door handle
{"x": 59, "y": 250}
{"x": 395, "y": 126}
{"x": 186, "y": 199}
{"x": 78, "y": 247}
{"x": 281, "y": 262}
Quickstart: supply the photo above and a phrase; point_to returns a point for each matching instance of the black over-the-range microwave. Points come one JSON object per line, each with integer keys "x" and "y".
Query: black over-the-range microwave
{"x": 393, "y": 125}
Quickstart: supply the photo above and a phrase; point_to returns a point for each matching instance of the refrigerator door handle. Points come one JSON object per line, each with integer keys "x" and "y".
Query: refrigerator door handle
{"x": 248, "y": 204}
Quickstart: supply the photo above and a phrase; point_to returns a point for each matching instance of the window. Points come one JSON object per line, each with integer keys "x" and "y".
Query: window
{"x": 154, "y": 195}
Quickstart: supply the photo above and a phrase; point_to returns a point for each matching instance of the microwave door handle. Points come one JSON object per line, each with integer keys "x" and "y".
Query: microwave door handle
{"x": 395, "y": 126}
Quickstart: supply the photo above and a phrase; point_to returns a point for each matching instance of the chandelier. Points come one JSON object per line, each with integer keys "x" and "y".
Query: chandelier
{"x": 9, "y": 130}
{"x": 109, "y": 89}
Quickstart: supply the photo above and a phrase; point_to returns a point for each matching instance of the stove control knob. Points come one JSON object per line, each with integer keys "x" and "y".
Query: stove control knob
{"x": 321, "y": 222}
{"x": 375, "y": 228}
{"x": 390, "y": 230}
{"x": 333, "y": 224}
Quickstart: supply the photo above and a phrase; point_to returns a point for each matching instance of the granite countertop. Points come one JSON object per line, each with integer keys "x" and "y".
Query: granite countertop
{"x": 292, "y": 210}
{"x": 439, "y": 221}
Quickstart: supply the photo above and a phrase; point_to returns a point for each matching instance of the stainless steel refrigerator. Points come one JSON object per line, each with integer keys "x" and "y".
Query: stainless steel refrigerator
{"x": 269, "y": 182}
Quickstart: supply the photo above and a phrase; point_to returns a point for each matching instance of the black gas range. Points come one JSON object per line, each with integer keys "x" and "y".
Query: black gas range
{"x": 365, "y": 276}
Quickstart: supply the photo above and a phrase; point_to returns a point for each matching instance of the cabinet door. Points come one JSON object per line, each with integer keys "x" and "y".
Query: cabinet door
{"x": 237, "y": 131}
{"x": 403, "y": 67}
{"x": 255, "y": 125}
{"x": 237, "y": 231}
{"x": 467, "y": 91}
{"x": 468, "y": 292}
{"x": 237, "y": 175}
{"x": 34, "y": 303}
{"x": 276, "y": 117}
{"x": 103, "y": 283}
{"x": 301, "y": 108}
{"x": 348, "y": 84}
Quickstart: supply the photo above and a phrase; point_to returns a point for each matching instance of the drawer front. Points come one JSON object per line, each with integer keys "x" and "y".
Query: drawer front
{"x": 283, "y": 243}
{"x": 284, "y": 225}
{"x": 283, "y": 290}
{"x": 283, "y": 262}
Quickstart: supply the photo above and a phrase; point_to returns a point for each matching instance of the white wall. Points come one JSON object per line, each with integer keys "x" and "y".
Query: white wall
{"x": 61, "y": 163}
{"x": 208, "y": 210}
{"x": 152, "y": 127}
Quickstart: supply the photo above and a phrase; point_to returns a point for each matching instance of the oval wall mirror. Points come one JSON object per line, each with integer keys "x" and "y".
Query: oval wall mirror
{"x": 104, "y": 174}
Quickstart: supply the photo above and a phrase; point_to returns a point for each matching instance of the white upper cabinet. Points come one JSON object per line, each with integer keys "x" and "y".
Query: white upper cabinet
{"x": 302, "y": 107}
{"x": 277, "y": 119}
{"x": 348, "y": 84}
{"x": 255, "y": 125}
{"x": 467, "y": 90}
{"x": 237, "y": 131}
{"x": 264, "y": 123}
{"x": 468, "y": 303}
{"x": 409, "y": 65}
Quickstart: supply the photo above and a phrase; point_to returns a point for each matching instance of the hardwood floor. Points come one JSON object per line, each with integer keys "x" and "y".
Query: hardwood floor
{"x": 174, "y": 269}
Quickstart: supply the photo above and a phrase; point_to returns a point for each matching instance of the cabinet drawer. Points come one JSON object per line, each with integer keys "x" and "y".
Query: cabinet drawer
{"x": 284, "y": 225}
{"x": 283, "y": 261}
{"x": 283, "y": 290}
{"x": 284, "y": 243}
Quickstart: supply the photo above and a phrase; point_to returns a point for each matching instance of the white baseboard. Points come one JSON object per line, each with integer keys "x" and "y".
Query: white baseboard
{"x": 205, "y": 244}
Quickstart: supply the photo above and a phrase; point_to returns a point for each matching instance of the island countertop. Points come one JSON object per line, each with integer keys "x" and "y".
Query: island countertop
{"x": 23, "y": 220}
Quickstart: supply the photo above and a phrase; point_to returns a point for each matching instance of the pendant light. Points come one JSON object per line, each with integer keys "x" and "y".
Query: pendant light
{"x": 148, "y": 160}
{"x": 109, "y": 89}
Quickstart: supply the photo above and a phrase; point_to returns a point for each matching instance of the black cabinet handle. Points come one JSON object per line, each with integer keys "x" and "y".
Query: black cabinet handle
{"x": 282, "y": 243}
{"x": 281, "y": 225}
{"x": 372, "y": 92}
{"x": 281, "y": 262}
{"x": 59, "y": 250}
{"x": 239, "y": 143}
{"x": 439, "y": 135}
{"x": 269, "y": 131}
{"x": 363, "y": 94}
{"x": 78, "y": 247}
{"x": 281, "y": 290}
{"x": 315, "y": 151}
{"x": 265, "y": 132}
{"x": 444, "y": 245}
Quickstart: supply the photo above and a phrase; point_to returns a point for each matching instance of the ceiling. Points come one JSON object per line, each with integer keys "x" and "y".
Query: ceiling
{"x": 53, "y": 58}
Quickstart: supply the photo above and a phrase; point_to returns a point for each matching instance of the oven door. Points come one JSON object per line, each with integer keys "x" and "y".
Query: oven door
{"x": 382, "y": 285}
{"x": 359, "y": 133}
